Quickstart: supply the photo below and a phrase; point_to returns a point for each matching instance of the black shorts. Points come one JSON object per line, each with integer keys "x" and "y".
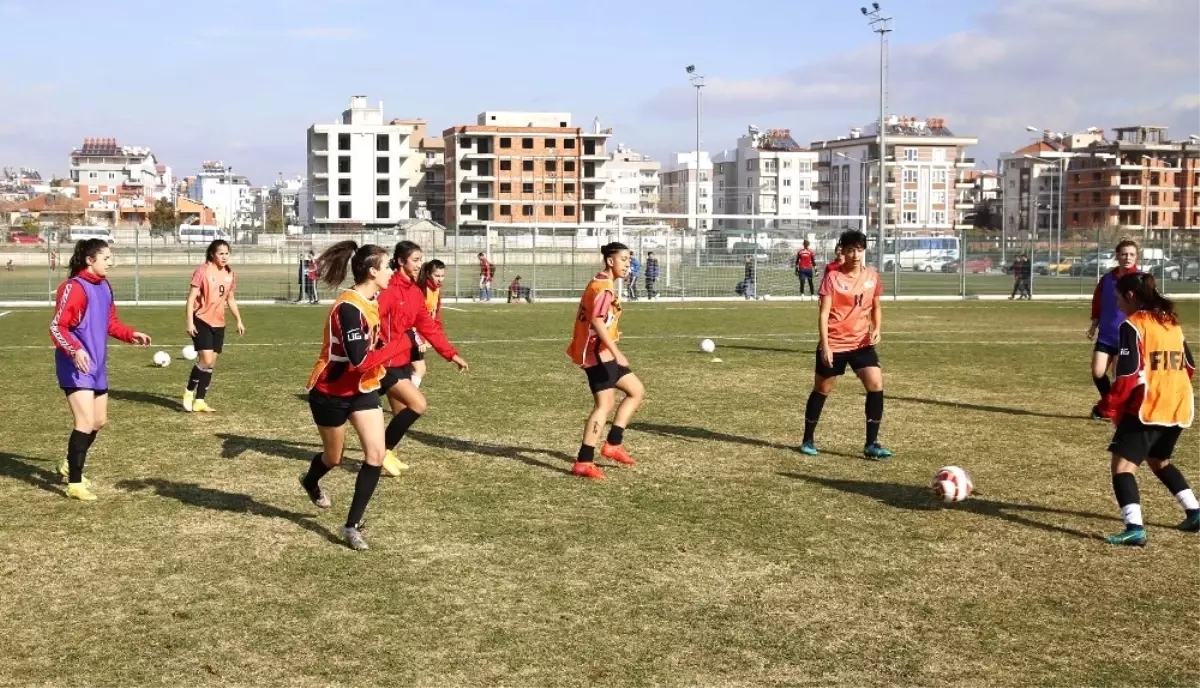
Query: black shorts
{"x": 804, "y": 273}
{"x": 1105, "y": 349}
{"x": 333, "y": 412}
{"x": 394, "y": 375}
{"x": 208, "y": 338}
{"x": 1136, "y": 441}
{"x": 858, "y": 359}
{"x": 415, "y": 354}
{"x": 605, "y": 375}
{"x": 71, "y": 390}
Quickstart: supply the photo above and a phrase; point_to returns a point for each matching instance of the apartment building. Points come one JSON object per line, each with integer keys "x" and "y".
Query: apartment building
{"x": 767, "y": 174}
{"x": 526, "y": 168}
{"x": 633, "y": 184}
{"x": 926, "y": 188}
{"x": 687, "y": 187}
{"x": 1140, "y": 180}
{"x": 362, "y": 170}
{"x": 1031, "y": 179}
{"x": 229, "y": 195}
{"x": 429, "y": 191}
{"x": 118, "y": 184}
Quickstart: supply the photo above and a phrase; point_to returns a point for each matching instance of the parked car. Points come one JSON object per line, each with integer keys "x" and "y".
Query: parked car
{"x": 1096, "y": 265}
{"x": 932, "y": 264}
{"x": 1062, "y": 266}
{"x": 978, "y": 265}
{"x": 1191, "y": 271}
{"x": 951, "y": 266}
{"x": 1040, "y": 267}
{"x": 22, "y": 238}
{"x": 1159, "y": 267}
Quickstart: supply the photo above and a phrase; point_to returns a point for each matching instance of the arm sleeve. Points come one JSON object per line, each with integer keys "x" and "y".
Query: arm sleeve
{"x": 431, "y": 330}
{"x": 198, "y": 276}
{"x": 878, "y": 286}
{"x": 68, "y": 308}
{"x": 601, "y": 305}
{"x": 1096, "y": 301}
{"x": 1188, "y": 361}
{"x": 356, "y": 340}
{"x": 118, "y": 329}
{"x": 826, "y": 287}
{"x": 1129, "y": 364}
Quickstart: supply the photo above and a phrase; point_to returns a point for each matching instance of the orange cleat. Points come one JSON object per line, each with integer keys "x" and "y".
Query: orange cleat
{"x": 617, "y": 453}
{"x": 587, "y": 469}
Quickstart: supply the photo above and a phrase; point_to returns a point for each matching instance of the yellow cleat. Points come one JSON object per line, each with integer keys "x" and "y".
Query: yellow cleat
{"x": 79, "y": 491}
{"x": 392, "y": 465}
{"x": 65, "y": 472}
{"x": 200, "y": 406}
{"x": 189, "y": 399}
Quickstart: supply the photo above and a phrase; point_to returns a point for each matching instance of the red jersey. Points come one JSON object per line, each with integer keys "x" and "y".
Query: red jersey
{"x": 68, "y": 313}
{"x": 401, "y": 308}
{"x": 805, "y": 258}
{"x": 853, "y": 299}
{"x": 485, "y": 270}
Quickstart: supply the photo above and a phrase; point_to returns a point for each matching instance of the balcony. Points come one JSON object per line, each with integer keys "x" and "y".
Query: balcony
{"x": 482, "y": 199}
{"x": 593, "y": 200}
{"x": 478, "y": 155}
{"x": 485, "y": 176}
{"x": 964, "y": 163}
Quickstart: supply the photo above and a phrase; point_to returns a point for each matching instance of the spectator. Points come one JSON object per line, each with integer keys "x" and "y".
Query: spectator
{"x": 10, "y": 265}
{"x": 486, "y": 271}
{"x": 635, "y": 269}
{"x": 651, "y": 276}
{"x": 750, "y": 292}
{"x": 1018, "y": 270}
{"x": 805, "y": 258}
{"x": 313, "y": 264}
{"x": 516, "y": 292}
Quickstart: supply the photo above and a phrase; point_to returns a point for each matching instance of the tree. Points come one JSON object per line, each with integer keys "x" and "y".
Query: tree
{"x": 163, "y": 219}
{"x": 274, "y": 220}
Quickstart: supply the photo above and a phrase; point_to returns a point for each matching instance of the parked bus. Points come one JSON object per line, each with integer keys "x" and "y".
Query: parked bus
{"x": 81, "y": 232}
{"x": 201, "y": 234}
{"x": 921, "y": 253}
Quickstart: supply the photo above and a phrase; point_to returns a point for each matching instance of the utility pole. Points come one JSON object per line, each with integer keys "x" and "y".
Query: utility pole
{"x": 882, "y": 26}
{"x": 698, "y": 82}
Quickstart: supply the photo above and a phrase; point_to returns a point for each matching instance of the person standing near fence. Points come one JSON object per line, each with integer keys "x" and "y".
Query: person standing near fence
{"x": 635, "y": 271}
{"x": 1107, "y": 317}
{"x": 1018, "y": 274}
{"x": 487, "y": 270}
{"x": 750, "y": 290}
{"x": 312, "y": 279}
{"x": 805, "y": 259}
{"x": 85, "y": 316}
{"x": 651, "y": 276}
{"x": 212, "y": 287}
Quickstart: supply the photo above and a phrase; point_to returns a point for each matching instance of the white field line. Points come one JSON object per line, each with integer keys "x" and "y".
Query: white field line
{"x": 4, "y": 313}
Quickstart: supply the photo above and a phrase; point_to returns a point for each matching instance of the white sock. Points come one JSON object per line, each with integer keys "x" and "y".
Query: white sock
{"x": 1132, "y": 513}
{"x": 416, "y": 380}
{"x": 1187, "y": 499}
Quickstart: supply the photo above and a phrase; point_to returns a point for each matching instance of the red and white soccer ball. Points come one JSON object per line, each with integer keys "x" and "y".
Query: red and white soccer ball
{"x": 952, "y": 484}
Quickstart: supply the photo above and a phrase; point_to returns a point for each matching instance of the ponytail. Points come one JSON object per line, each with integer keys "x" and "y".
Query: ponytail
{"x": 427, "y": 270}
{"x": 334, "y": 261}
{"x": 1143, "y": 289}
{"x": 84, "y": 249}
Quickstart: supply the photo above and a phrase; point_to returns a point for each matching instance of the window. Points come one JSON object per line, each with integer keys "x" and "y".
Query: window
{"x": 939, "y": 155}
{"x": 910, "y": 195}
{"x": 91, "y": 175}
{"x": 910, "y": 154}
{"x": 939, "y": 176}
{"x": 568, "y": 166}
{"x": 909, "y": 217}
{"x": 527, "y": 187}
{"x": 938, "y": 217}
{"x": 526, "y": 165}
{"x": 382, "y": 142}
{"x": 527, "y": 211}
{"x": 720, "y": 203}
{"x": 1075, "y": 217}
{"x": 506, "y": 210}
{"x": 769, "y": 165}
{"x": 568, "y": 143}
{"x": 569, "y": 188}
{"x": 527, "y": 143}
{"x": 703, "y": 176}
{"x": 505, "y": 187}
{"x": 382, "y": 165}
{"x": 551, "y": 165}
{"x": 549, "y": 211}
{"x": 569, "y": 211}
{"x": 703, "y": 208}
{"x": 343, "y": 187}
{"x": 505, "y": 142}
{"x": 92, "y": 190}
{"x": 112, "y": 175}
{"x": 787, "y": 200}
{"x": 381, "y": 187}
{"x": 344, "y": 164}
{"x": 505, "y": 165}
{"x": 343, "y": 142}
{"x": 344, "y": 210}
{"x": 939, "y": 197}
{"x": 720, "y": 185}
{"x": 551, "y": 143}
{"x": 465, "y": 142}
{"x": 787, "y": 164}
{"x": 381, "y": 210}
{"x": 548, "y": 187}
{"x": 910, "y": 176}
{"x": 787, "y": 181}
{"x": 703, "y": 192}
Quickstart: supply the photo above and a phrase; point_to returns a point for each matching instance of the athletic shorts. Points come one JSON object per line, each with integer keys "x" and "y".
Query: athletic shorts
{"x": 1105, "y": 349}
{"x": 333, "y": 412}
{"x": 394, "y": 375}
{"x": 804, "y": 273}
{"x": 866, "y": 357}
{"x": 71, "y": 390}
{"x": 604, "y": 375}
{"x": 208, "y": 338}
{"x": 416, "y": 354}
{"x": 1136, "y": 441}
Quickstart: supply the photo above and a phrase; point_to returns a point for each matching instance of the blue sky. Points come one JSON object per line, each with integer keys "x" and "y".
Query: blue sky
{"x": 241, "y": 81}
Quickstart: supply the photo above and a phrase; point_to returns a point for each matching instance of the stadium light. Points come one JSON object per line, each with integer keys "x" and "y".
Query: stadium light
{"x": 698, "y": 82}
{"x": 883, "y": 26}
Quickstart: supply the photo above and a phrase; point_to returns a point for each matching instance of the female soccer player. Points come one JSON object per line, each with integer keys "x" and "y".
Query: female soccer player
{"x": 1150, "y": 402}
{"x": 1107, "y": 318}
{"x": 212, "y": 287}
{"x": 430, "y": 280}
{"x": 594, "y": 348}
{"x": 84, "y": 318}
{"x": 403, "y": 310}
{"x": 849, "y": 320}
{"x": 344, "y": 384}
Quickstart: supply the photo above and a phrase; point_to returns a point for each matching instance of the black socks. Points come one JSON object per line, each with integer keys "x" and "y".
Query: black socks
{"x": 586, "y": 454}
{"x": 812, "y": 414}
{"x": 77, "y": 448}
{"x": 199, "y": 380}
{"x": 874, "y": 415}
{"x": 364, "y": 487}
{"x": 1102, "y": 385}
{"x": 316, "y": 470}
{"x": 616, "y": 435}
{"x": 1173, "y": 479}
{"x": 1126, "y": 488}
{"x": 398, "y": 426}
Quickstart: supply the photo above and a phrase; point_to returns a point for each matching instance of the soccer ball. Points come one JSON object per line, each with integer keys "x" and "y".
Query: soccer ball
{"x": 708, "y": 346}
{"x": 162, "y": 359}
{"x": 952, "y": 484}
{"x": 766, "y": 297}
{"x": 189, "y": 352}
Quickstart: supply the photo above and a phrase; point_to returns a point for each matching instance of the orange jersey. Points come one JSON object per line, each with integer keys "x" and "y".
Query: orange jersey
{"x": 599, "y": 301}
{"x": 853, "y": 299}
{"x": 433, "y": 302}
{"x": 1153, "y": 373}
{"x": 216, "y": 286}
{"x": 353, "y": 323}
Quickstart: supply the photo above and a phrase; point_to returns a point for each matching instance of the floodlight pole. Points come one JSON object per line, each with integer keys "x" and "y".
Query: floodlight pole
{"x": 698, "y": 82}
{"x": 882, "y": 26}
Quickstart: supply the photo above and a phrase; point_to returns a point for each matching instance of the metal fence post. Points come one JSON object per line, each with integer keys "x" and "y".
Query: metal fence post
{"x": 137, "y": 265}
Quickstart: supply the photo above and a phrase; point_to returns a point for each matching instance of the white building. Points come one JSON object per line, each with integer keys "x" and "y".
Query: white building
{"x": 767, "y": 174}
{"x": 120, "y": 183}
{"x": 688, "y": 188}
{"x": 633, "y": 183}
{"x": 228, "y": 195}
{"x": 362, "y": 170}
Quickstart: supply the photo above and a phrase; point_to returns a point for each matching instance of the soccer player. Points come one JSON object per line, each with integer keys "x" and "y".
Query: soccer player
{"x": 212, "y": 287}
{"x": 85, "y": 316}
{"x": 1150, "y": 402}
{"x": 405, "y": 317}
{"x": 1107, "y": 318}
{"x": 430, "y": 280}
{"x": 849, "y": 320}
{"x": 486, "y": 271}
{"x": 344, "y": 385}
{"x": 805, "y": 258}
{"x": 594, "y": 348}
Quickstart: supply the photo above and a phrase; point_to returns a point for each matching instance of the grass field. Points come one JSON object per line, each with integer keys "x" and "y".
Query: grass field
{"x": 724, "y": 558}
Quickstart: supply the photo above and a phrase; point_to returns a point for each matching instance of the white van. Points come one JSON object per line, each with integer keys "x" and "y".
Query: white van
{"x": 81, "y": 232}
{"x": 201, "y": 234}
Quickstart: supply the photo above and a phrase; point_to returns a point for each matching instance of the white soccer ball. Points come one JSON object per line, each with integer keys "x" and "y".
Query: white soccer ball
{"x": 766, "y": 297}
{"x": 708, "y": 346}
{"x": 189, "y": 352}
{"x": 162, "y": 359}
{"x": 952, "y": 484}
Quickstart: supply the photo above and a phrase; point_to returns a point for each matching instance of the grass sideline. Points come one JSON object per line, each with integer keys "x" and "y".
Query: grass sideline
{"x": 724, "y": 557}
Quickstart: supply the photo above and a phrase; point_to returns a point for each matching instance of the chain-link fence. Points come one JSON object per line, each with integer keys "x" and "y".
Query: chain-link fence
{"x": 752, "y": 257}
